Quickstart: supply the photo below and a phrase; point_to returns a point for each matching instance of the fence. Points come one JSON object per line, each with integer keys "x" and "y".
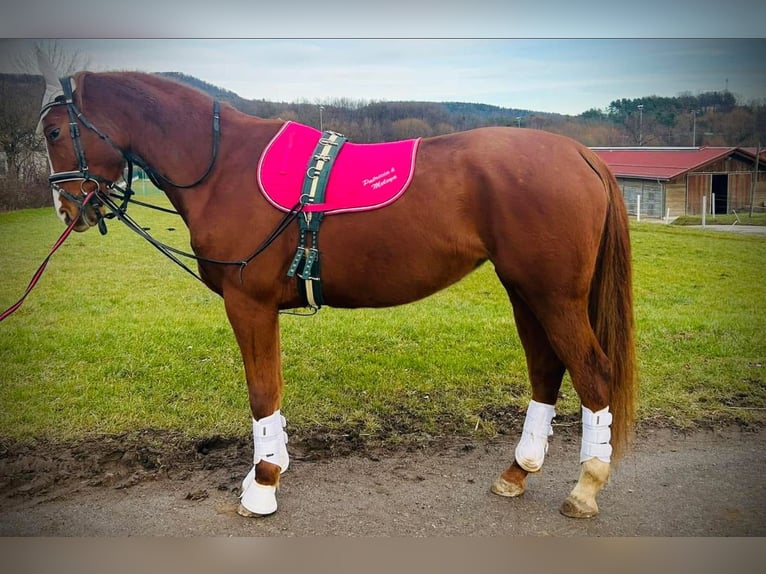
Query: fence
{"x": 643, "y": 199}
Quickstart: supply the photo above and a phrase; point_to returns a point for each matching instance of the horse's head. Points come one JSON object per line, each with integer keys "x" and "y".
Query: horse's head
{"x": 82, "y": 159}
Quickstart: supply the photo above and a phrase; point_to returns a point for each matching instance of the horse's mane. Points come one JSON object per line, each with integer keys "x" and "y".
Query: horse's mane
{"x": 143, "y": 110}
{"x": 155, "y": 97}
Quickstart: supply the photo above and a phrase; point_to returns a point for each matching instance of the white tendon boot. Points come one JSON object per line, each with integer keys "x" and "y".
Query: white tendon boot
{"x": 530, "y": 452}
{"x": 595, "y": 456}
{"x": 596, "y": 434}
{"x": 269, "y": 441}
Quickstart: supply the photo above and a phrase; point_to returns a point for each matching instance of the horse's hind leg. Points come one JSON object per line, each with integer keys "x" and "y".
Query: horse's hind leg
{"x": 545, "y": 373}
{"x": 567, "y": 325}
{"x": 556, "y": 333}
{"x": 256, "y": 328}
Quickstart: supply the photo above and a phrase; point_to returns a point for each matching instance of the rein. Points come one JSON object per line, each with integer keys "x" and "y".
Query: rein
{"x": 170, "y": 252}
{"x": 124, "y": 195}
{"x": 38, "y": 274}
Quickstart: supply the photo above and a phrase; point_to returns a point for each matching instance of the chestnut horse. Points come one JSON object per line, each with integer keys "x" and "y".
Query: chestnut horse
{"x": 542, "y": 208}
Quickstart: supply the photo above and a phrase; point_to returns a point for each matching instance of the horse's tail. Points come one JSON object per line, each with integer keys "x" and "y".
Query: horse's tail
{"x": 611, "y": 309}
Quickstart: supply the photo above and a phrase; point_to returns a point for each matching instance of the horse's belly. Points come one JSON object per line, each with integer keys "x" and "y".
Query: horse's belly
{"x": 391, "y": 274}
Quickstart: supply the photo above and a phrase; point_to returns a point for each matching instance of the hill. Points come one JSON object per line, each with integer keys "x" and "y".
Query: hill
{"x": 709, "y": 118}
{"x": 378, "y": 120}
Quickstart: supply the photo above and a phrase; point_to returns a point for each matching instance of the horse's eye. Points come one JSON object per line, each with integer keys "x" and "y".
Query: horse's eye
{"x": 53, "y": 134}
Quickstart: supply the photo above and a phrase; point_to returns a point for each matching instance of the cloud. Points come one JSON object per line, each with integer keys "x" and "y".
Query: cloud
{"x": 561, "y": 75}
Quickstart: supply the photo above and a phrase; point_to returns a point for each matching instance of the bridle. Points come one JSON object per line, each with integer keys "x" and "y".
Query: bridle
{"x": 83, "y": 174}
{"x": 125, "y": 194}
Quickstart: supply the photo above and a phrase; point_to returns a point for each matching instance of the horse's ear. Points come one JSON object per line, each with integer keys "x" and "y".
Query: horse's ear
{"x": 52, "y": 84}
{"x": 46, "y": 68}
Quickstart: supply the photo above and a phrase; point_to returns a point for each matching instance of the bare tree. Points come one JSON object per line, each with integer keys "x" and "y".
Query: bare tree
{"x": 24, "y": 170}
{"x": 23, "y": 182}
{"x": 65, "y": 61}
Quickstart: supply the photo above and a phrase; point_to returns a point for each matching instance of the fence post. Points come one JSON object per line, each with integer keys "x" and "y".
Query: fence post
{"x": 704, "y": 209}
{"x": 638, "y": 207}
{"x": 712, "y": 205}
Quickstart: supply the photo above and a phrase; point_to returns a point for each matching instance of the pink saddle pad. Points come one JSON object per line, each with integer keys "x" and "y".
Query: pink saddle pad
{"x": 363, "y": 176}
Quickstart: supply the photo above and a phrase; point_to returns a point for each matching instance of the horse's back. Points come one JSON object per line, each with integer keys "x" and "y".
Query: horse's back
{"x": 517, "y": 183}
{"x": 525, "y": 199}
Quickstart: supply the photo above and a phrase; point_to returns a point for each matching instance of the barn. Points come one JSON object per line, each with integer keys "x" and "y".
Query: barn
{"x": 670, "y": 182}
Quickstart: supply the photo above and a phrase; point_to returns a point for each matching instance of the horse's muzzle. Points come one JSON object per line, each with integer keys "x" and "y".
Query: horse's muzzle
{"x": 85, "y": 214}
{"x": 85, "y": 208}
{"x": 86, "y": 219}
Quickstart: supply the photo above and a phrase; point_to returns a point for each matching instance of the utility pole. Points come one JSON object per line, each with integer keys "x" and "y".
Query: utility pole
{"x": 694, "y": 128}
{"x": 640, "y": 123}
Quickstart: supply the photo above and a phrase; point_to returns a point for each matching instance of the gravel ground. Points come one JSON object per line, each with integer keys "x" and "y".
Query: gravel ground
{"x": 701, "y": 483}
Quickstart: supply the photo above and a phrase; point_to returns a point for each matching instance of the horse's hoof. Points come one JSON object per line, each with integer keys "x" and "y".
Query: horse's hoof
{"x": 258, "y": 500}
{"x": 577, "y": 508}
{"x": 502, "y": 487}
{"x": 242, "y": 511}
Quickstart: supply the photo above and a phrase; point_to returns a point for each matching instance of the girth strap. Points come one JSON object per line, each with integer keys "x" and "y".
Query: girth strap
{"x": 306, "y": 263}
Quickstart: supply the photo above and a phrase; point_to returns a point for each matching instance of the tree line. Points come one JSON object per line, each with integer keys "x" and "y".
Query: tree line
{"x": 714, "y": 118}
{"x": 706, "y": 119}
{"x": 23, "y": 166}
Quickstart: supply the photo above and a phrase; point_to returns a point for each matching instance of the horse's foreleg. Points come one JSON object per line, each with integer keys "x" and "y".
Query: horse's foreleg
{"x": 256, "y": 328}
{"x": 545, "y": 373}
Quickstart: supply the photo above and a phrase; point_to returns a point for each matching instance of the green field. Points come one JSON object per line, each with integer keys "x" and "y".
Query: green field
{"x": 743, "y": 218}
{"x": 116, "y": 338}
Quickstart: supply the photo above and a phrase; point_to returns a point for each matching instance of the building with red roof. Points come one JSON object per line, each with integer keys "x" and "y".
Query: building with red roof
{"x": 669, "y": 182}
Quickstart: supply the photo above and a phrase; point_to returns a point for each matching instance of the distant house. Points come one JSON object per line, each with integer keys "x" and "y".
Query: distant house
{"x": 672, "y": 181}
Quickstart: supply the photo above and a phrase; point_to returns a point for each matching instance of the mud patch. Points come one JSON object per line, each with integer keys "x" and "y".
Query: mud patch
{"x": 46, "y": 468}
{"x": 37, "y": 467}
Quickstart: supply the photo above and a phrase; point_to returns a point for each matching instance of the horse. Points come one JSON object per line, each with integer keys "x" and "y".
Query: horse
{"x": 543, "y": 209}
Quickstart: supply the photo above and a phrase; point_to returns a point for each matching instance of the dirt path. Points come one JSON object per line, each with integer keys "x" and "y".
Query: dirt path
{"x": 706, "y": 483}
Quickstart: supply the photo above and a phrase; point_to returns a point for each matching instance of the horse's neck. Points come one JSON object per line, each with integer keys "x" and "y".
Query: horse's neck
{"x": 169, "y": 126}
{"x": 172, "y": 132}
{"x": 162, "y": 124}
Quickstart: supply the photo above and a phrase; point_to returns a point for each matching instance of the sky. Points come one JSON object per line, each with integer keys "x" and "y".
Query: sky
{"x": 512, "y": 53}
{"x": 566, "y": 76}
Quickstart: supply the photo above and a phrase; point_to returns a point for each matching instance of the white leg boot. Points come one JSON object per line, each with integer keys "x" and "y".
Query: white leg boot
{"x": 595, "y": 457}
{"x": 533, "y": 445}
{"x": 269, "y": 441}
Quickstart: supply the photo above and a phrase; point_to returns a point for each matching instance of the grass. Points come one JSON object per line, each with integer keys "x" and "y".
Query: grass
{"x": 116, "y": 338}
{"x": 743, "y": 218}
{"x": 700, "y": 302}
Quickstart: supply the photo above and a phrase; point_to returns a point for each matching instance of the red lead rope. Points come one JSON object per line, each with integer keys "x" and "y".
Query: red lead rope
{"x": 36, "y": 277}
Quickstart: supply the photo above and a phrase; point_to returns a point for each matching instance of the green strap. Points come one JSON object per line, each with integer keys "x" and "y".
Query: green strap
{"x": 306, "y": 263}
{"x": 319, "y": 167}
